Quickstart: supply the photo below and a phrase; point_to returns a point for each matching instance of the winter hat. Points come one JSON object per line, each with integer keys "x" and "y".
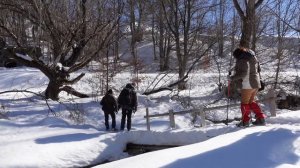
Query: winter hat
{"x": 237, "y": 53}
{"x": 243, "y": 53}
{"x": 129, "y": 85}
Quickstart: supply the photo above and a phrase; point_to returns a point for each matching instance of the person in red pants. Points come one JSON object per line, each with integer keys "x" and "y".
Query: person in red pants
{"x": 247, "y": 73}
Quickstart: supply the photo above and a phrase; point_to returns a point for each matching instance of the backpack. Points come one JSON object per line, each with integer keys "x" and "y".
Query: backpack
{"x": 108, "y": 103}
{"x": 103, "y": 102}
{"x": 126, "y": 98}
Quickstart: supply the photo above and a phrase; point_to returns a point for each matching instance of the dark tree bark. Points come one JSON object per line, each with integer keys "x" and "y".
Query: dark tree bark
{"x": 75, "y": 39}
{"x": 164, "y": 41}
{"x": 179, "y": 21}
{"x": 248, "y": 18}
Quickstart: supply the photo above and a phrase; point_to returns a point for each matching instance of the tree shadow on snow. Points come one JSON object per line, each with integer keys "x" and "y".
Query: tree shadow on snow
{"x": 259, "y": 150}
{"x": 66, "y": 138}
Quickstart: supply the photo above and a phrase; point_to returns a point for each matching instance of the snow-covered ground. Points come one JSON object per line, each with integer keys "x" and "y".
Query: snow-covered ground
{"x": 32, "y": 136}
{"x": 273, "y": 146}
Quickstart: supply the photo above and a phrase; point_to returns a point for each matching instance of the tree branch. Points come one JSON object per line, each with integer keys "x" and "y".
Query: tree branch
{"x": 72, "y": 91}
{"x": 284, "y": 21}
{"x": 258, "y": 3}
{"x": 70, "y": 82}
{"x": 238, "y": 9}
{"x": 183, "y": 79}
{"x": 37, "y": 94}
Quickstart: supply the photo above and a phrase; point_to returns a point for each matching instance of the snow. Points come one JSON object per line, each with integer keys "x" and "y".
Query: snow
{"x": 269, "y": 146}
{"x": 32, "y": 136}
{"x": 24, "y": 56}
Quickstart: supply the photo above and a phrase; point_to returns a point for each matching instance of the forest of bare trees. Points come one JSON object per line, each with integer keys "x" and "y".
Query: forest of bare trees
{"x": 72, "y": 33}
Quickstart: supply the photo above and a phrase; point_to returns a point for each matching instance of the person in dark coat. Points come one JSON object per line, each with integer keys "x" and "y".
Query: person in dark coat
{"x": 110, "y": 107}
{"x": 127, "y": 100}
{"x": 247, "y": 72}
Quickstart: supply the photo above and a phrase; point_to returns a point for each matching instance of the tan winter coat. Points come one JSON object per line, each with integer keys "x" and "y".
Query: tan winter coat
{"x": 246, "y": 71}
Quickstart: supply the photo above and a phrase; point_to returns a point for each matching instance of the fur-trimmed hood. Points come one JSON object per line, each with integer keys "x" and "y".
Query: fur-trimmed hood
{"x": 243, "y": 53}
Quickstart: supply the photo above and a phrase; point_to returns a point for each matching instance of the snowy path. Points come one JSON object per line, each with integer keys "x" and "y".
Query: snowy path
{"x": 53, "y": 143}
{"x": 260, "y": 147}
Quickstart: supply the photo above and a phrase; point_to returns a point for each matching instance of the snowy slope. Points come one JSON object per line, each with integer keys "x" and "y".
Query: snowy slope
{"x": 54, "y": 143}
{"x": 275, "y": 145}
{"x": 31, "y": 136}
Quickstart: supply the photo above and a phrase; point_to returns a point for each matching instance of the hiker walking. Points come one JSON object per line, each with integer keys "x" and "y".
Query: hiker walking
{"x": 127, "y": 100}
{"x": 247, "y": 73}
{"x": 110, "y": 107}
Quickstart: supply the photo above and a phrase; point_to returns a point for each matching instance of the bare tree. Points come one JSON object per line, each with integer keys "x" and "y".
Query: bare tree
{"x": 136, "y": 9}
{"x": 261, "y": 23}
{"x": 161, "y": 35}
{"x": 285, "y": 12}
{"x": 220, "y": 27}
{"x": 183, "y": 27}
{"x": 293, "y": 23}
{"x": 75, "y": 35}
{"x": 248, "y": 19}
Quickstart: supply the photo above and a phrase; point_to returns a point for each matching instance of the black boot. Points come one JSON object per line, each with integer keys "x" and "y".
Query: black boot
{"x": 243, "y": 124}
{"x": 259, "y": 121}
{"x": 114, "y": 129}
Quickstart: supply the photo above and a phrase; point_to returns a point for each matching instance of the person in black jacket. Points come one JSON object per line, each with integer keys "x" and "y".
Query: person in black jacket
{"x": 127, "y": 100}
{"x": 110, "y": 107}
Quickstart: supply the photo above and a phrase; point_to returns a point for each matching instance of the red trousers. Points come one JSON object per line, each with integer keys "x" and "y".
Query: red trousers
{"x": 248, "y": 104}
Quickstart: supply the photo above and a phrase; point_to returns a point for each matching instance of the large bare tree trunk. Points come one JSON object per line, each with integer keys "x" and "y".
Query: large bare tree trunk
{"x": 248, "y": 18}
{"x": 52, "y": 91}
{"x": 75, "y": 39}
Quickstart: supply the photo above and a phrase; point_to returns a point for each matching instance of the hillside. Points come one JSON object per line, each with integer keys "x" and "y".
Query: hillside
{"x": 34, "y": 136}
